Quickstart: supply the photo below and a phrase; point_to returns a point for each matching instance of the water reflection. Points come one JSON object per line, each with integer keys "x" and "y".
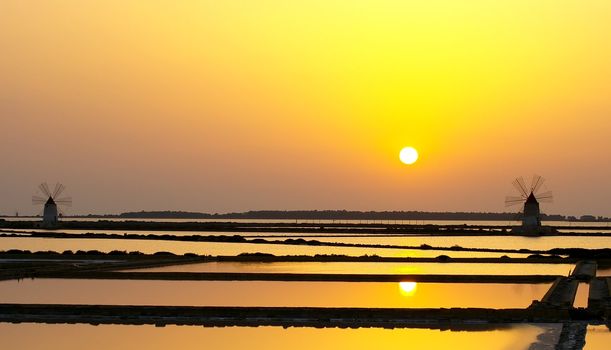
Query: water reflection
{"x": 371, "y": 268}
{"x": 269, "y": 293}
{"x": 215, "y": 249}
{"x": 604, "y": 272}
{"x": 499, "y": 242}
{"x": 72, "y": 337}
{"x": 598, "y": 338}
{"x": 408, "y": 288}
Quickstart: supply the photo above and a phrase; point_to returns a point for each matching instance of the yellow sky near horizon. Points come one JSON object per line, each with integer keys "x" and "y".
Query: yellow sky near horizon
{"x": 223, "y": 106}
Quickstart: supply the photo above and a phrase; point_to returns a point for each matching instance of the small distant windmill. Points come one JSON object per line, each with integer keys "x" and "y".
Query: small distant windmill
{"x": 52, "y": 203}
{"x": 530, "y": 197}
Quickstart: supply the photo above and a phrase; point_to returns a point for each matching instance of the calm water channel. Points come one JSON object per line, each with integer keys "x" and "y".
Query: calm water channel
{"x": 216, "y": 249}
{"x": 77, "y": 337}
{"x": 371, "y": 268}
{"x": 271, "y": 293}
{"x": 72, "y": 337}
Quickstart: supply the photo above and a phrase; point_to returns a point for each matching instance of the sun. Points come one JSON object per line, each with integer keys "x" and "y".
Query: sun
{"x": 408, "y": 155}
{"x": 407, "y": 288}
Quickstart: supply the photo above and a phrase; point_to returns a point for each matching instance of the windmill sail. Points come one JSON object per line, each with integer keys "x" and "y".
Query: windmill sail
{"x": 529, "y": 198}
{"x": 52, "y": 205}
{"x": 524, "y": 192}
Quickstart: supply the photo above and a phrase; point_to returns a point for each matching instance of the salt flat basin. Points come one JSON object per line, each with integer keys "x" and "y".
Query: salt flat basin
{"x": 72, "y": 337}
{"x": 604, "y": 272}
{"x": 79, "y": 336}
{"x": 369, "y": 268}
{"x": 214, "y": 248}
{"x": 270, "y": 293}
{"x": 499, "y": 242}
{"x": 598, "y": 338}
{"x": 581, "y": 297}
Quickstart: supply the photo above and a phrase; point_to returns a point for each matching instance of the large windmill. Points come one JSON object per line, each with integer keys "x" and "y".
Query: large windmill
{"x": 530, "y": 197}
{"x": 52, "y": 203}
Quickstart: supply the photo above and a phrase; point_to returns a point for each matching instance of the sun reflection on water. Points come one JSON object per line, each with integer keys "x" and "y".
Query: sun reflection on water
{"x": 407, "y": 288}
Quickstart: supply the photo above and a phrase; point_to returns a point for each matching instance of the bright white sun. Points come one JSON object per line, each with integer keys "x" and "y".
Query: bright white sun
{"x": 408, "y": 155}
{"x": 407, "y": 288}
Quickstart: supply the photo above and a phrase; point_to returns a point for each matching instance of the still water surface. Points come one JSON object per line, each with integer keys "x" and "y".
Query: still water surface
{"x": 73, "y": 337}
{"x": 604, "y": 272}
{"x": 370, "y": 268}
{"x": 598, "y": 338}
{"x": 270, "y": 293}
{"x": 77, "y": 337}
{"x": 216, "y": 249}
{"x": 500, "y": 242}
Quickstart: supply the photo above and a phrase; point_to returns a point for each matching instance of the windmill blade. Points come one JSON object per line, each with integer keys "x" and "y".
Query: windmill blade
{"x": 44, "y": 188}
{"x": 545, "y": 197}
{"x": 38, "y": 200}
{"x": 513, "y": 200}
{"x": 519, "y": 184}
{"x": 66, "y": 201}
{"x": 57, "y": 185}
{"x": 536, "y": 183}
{"x": 59, "y": 188}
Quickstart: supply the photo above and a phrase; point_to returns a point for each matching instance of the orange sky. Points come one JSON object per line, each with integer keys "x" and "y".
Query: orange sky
{"x": 230, "y": 106}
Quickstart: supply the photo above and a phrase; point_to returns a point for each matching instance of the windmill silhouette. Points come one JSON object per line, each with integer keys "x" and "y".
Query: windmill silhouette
{"x": 53, "y": 204}
{"x": 530, "y": 197}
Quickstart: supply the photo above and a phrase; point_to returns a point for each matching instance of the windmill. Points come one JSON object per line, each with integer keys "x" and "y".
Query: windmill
{"x": 530, "y": 197}
{"x": 52, "y": 203}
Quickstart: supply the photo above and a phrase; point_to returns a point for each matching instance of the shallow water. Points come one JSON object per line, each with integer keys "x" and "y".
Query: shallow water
{"x": 581, "y": 298}
{"x": 215, "y": 249}
{"x": 500, "y": 242}
{"x": 69, "y": 337}
{"x": 604, "y": 272}
{"x": 370, "y": 268}
{"x": 598, "y": 338}
{"x": 271, "y": 293}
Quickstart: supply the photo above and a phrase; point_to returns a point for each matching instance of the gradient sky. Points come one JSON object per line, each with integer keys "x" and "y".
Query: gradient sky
{"x": 223, "y": 106}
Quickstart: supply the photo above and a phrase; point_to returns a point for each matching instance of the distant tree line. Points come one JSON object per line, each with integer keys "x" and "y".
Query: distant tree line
{"x": 342, "y": 215}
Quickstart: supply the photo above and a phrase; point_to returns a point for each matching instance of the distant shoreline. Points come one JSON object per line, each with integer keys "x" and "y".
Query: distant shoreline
{"x": 334, "y": 215}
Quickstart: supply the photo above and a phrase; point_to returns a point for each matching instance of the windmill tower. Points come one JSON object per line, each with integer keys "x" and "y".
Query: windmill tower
{"x": 52, "y": 203}
{"x": 530, "y": 197}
